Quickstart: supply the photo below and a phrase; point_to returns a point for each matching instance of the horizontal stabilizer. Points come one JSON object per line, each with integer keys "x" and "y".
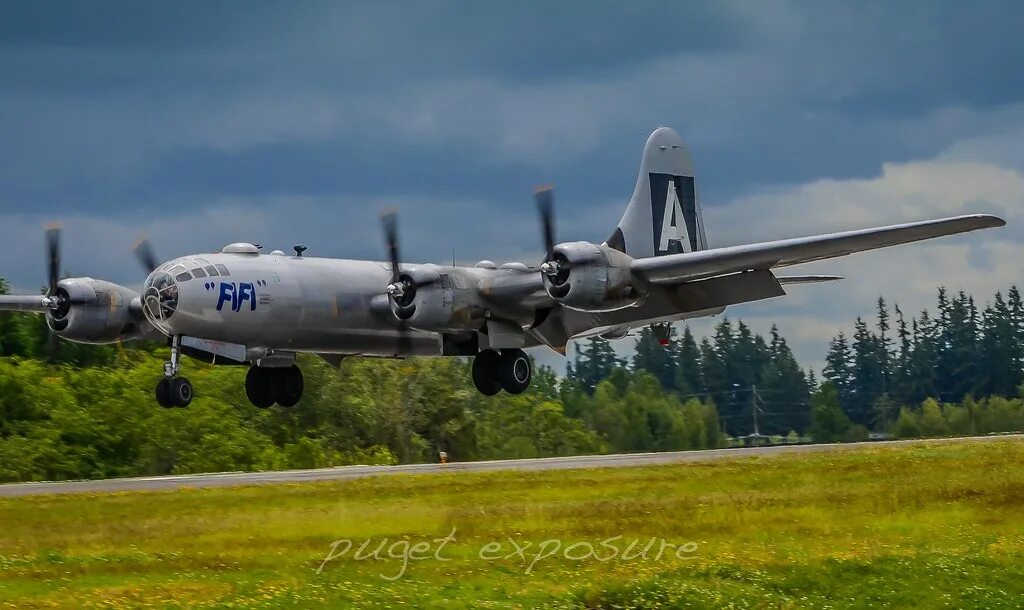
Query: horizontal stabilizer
{"x": 806, "y": 279}
{"x": 675, "y": 268}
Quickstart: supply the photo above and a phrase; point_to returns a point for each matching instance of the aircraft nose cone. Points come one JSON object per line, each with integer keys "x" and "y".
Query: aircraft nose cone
{"x": 160, "y": 299}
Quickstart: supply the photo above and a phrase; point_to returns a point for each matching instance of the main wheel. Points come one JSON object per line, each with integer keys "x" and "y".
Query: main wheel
{"x": 259, "y": 387}
{"x": 181, "y": 392}
{"x": 514, "y": 371}
{"x": 485, "y": 372}
{"x": 288, "y": 386}
{"x": 163, "y": 393}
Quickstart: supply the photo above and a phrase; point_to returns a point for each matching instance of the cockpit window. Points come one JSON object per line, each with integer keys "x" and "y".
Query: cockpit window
{"x": 211, "y": 270}
{"x": 183, "y": 277}
{"x": 161, "y": 298}
{"x": 223, "y": 270}
{"x": 198, "y": 273}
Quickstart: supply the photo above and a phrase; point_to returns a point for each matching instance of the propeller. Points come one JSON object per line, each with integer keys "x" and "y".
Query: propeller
{"x": 397, "y": 288}
{"x": 58, "y": 304}
{"x": 52, "y": 258}
{"x": 401, "y": 289}
{"x": 143, "y": 250}
{"x": 555, "y": 266}
{"x": 545, "y": 197}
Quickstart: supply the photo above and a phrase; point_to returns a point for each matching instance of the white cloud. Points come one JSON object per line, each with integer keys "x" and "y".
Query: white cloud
{"x": 979, "y": 263}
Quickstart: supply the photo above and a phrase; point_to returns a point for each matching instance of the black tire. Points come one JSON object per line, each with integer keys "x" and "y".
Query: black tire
{"x": 288, "y": 386}
{"x": 485, "y": 372}
{"x": 163, "y": 393}
{"x": 515, "y": 371}
{"x": 259, "y": 387}
{"x": 181, "y": 392}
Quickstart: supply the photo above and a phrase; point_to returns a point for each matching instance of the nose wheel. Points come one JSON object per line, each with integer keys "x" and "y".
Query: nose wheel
{"x": 174, "y": 391}
{"x": 509, "y": 370}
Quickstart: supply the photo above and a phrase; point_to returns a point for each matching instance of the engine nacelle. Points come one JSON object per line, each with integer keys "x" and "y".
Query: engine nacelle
{"x": 95, "y": 311}
{"x": 589, "y": 277}
{"x": 437, "y": 301}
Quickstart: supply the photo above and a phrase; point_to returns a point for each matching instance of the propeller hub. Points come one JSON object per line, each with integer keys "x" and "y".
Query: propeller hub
{"x": 396, "y": 289}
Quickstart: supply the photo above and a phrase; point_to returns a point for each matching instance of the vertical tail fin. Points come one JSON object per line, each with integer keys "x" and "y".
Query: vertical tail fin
{"x": 663, "y": 216}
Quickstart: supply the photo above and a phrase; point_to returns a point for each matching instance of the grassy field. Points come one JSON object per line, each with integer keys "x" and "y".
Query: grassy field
{"x": 927, "y": 525}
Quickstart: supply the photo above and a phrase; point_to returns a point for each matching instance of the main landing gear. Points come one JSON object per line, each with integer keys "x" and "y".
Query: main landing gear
{"x": 174, "y": 391}
{"x": 508, "y": 370}
{"x": 265, "y": 386}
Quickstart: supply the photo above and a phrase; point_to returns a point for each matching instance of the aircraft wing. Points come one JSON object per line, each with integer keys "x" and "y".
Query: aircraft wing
{"x": 675, "y": 268}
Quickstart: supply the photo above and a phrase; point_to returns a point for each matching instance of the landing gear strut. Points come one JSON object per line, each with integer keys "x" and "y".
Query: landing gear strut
{"x": 174, "y": 391}
{"x": 508, "y": 370}
{"x": 265, "y": 386}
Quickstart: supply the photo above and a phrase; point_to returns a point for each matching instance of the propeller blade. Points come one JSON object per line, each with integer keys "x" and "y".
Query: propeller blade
{"x": 143, "y": 250}
{"x": 52, "y": 257}
{"x": 390, "y": 222}
{"x": 545, "y": 197}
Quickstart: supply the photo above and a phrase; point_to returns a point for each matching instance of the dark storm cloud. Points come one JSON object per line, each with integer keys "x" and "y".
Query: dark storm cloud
{"x": 115, "y": 104}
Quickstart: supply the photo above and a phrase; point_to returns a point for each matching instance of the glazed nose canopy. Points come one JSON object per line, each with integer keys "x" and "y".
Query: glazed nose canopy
{"x": 160, "y": 297}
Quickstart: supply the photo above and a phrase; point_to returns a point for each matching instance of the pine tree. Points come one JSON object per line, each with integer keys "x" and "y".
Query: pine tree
{"x": 922, "y": 365}
{"x": 596, "y": 360}
{"x": 900, "y": 369}
{"x": 689, "y": 376}
{"x": 784, "y": 390}
{"x": 657, "y": 359}
{"x": 838, "y": 368}
{"x": 868, "y": 379}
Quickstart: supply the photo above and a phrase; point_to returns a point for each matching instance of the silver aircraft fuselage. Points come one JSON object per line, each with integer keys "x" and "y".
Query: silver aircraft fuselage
{"x": 296, "y": 304}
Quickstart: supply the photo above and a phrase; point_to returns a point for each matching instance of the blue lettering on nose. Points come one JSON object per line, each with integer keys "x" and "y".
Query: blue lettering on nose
{"x": 236, "y": 296}
{"x": 246, "y": 292}
{"x": 227, "y": 295}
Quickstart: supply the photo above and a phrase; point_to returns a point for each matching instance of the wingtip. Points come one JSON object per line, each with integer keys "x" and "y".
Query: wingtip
{"x": 988, "y": 221}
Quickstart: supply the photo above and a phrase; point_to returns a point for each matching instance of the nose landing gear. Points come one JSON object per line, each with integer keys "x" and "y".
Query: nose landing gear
{"x": 508, "y": 370}
{"x": 174, "y": 391}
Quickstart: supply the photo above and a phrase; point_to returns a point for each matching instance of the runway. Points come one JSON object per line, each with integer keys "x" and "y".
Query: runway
{"x": 341, "y": 473}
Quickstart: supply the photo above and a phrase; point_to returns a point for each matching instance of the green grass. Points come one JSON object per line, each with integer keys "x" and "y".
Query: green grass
{"x": 925, "y": 525}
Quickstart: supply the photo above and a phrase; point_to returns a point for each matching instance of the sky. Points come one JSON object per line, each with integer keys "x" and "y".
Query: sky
{"x": 204, "y": 123}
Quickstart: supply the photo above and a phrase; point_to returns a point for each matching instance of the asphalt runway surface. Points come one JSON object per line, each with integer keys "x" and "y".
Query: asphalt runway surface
{"x": 340, "y": 473}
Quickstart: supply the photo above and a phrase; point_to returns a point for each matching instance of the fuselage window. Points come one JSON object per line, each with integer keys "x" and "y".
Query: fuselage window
{"x": 223, "y": 270}
{"x": 198, "y": 273}
{"x": 211, "y": 270}
{"x": 275, "y": 277}
{"x": 183, "y": 277}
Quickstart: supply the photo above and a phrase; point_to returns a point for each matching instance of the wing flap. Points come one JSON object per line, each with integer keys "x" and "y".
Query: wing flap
{"x": 689, "y": 266}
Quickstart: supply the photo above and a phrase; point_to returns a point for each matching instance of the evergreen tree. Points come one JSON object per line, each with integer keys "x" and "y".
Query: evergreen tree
{"x": 596, "y": 360}
{"x": 922, "y": 365}
{"x": 784, "y": 389}
{"x": 839, "y": 368}
{"x": 689, "y": 377}
{"x": 657, "y": 359}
